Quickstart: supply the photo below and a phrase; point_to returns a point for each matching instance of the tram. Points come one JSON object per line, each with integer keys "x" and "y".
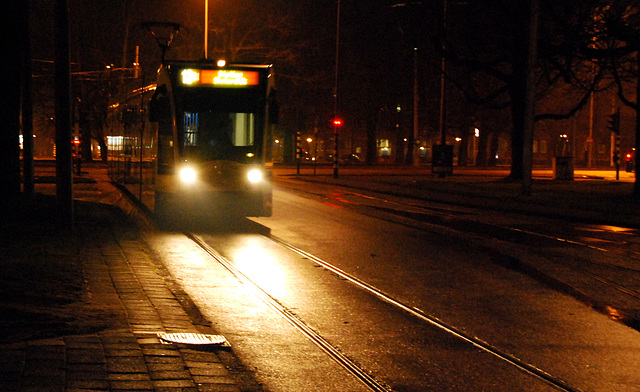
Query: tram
{"x": 196, "y": 142}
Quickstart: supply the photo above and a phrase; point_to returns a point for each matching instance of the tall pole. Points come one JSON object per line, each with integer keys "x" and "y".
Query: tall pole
{"x": 27, "y": 109}
{"x": 64, "y": 166}
{"x": 14, "y": 20}
{"x": 206, "y": 28}
{"x": 335, "y": 97}
{"x": 414, "y": 146}
{"x": 636, "y": 163}
{"x": 443, "y": 69}
{"x": 529, "y": 102}
{"x": 27, "y": 127}
{"x": 590, "y": 137}
{"x": 442, "y": 124}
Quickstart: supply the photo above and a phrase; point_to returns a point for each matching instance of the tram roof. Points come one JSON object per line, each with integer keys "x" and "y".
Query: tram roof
{"x": 214, "y": 65}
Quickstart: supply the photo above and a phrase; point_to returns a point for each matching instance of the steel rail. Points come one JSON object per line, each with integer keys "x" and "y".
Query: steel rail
{"x": 475, "y": 341}
{"x": 314, "y": 336}
{"x": 443, "y": 211}
{"x": 603, "y": 280}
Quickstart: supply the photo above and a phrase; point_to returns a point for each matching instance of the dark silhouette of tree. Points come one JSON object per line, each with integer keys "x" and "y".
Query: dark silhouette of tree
{"x": 490, "y": 41}
{"x": 15, "y": 22}
{"x": 618, "y": 37}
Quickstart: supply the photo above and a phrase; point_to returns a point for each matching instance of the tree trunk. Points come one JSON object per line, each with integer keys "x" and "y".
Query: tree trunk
{"x": 518, "y": 91}
{"x": 14, "y": 17}
{"x": 493, "y": 149}
{"x": 372, "y": 150}
{"x": 463, "y": 149}
{"x": 481, "y": 158}
{"x": 104, "y": 150}
{"x": 517, "y": 113}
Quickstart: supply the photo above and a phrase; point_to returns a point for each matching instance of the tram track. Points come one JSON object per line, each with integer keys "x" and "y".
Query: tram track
{"x": 463, "y": 220}
{"x": 605, "y": 285}
{"x": 335, "y": 353}
{"x": 434, "y": 321}
{"x": 353, "y": 368}
{"x": 457, "y": 219}
{"x": 583, "y": 261}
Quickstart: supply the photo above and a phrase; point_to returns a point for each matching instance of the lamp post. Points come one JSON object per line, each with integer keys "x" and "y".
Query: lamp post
{"x": 315, "y": 152}
{"x": 64, "y": 165}
{"x": 416, "y": 123}
{"x": 336, "y": 122}
{"x": 442, "y": 124}
{"x": 412, "y": 151}
{"x": 206, "y": 28}
{"x": 163, "y": 32}
{"x": 443, "y": 66}
{"x": 529, "y": 102}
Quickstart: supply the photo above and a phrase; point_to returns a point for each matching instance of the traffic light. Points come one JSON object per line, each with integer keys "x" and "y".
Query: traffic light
{"x": 337, "y": 122}
{"x": 614, "y": 122}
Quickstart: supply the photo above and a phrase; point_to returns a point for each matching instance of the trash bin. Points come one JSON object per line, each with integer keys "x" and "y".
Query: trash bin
{"x": 563, "y": 168}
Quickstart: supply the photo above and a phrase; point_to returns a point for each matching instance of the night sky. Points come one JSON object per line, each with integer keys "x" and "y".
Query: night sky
{"x": 298, "y": 37}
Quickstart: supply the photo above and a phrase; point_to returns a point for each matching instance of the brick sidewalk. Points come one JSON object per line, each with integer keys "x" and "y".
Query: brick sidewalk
{"x": 126, "y": 357}
{"x": 122, "y": 276}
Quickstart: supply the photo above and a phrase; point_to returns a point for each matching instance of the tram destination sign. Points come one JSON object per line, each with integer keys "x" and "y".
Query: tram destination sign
{"x": 219, "y": 77}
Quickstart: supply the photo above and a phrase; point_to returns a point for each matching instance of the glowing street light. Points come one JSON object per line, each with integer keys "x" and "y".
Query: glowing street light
{"x": 336, "y": 121}
{"x": 206, "y": 28}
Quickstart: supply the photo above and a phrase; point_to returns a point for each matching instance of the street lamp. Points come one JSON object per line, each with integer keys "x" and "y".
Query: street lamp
{"x": 476, "y": 135}
{"x": 313, "y": 156}
{"x": 443, "y": 94}
{"x": 443, "y": 66}
{"x": 416, "y": 99}
{"x": 309, "y": 140}
{"x": 164, "y": 33}
{"x": 206, "y": 28}
{"x": 336, "y": 122}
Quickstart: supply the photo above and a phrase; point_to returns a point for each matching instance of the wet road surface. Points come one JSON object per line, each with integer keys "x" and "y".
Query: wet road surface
{"x": 442, "y": 275}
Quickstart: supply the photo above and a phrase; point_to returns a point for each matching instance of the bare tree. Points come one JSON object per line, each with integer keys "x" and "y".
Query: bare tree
{"x": 494, "y": 58}
{"x": 619, "y": 32}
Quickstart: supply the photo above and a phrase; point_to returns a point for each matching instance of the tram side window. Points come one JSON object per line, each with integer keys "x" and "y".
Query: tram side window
{"x": 165, "y": 147}
{"x": 160, "y": 112}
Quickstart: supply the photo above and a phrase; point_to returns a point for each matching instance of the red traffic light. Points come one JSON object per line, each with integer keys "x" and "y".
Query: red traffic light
{"x": 337, "y": 122}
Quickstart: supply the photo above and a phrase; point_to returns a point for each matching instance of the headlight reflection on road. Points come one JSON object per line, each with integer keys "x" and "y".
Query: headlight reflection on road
{"x": 261, "y": 268}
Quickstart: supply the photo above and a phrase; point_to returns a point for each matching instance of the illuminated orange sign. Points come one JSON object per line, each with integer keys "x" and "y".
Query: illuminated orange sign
{"x": 219, "y": 77}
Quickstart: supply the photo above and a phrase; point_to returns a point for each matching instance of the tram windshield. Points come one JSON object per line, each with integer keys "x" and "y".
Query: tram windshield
{"x": 211, "y": 135}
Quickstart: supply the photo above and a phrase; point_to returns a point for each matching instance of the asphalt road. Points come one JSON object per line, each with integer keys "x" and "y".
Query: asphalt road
{"x": 440, "y": 271}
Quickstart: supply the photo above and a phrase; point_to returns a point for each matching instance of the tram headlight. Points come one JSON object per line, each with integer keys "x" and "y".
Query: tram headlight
{"x": 254, "y": 176}
{"x": 187, "y": 175}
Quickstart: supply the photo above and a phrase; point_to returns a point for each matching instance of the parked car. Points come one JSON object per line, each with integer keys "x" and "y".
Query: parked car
{"x": 351, "y": 158}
